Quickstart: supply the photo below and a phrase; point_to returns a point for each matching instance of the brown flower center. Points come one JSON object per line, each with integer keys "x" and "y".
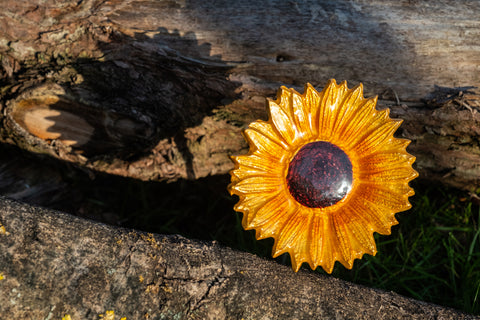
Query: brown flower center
{"x": 319, "y": 175}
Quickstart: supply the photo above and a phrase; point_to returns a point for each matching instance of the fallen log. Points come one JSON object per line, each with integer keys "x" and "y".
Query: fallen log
{"x": 161, "y": 90}
{"x": 53, "y": 264}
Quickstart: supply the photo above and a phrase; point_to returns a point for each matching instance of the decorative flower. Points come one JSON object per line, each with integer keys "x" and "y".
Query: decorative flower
{"x": 322, "y": 174}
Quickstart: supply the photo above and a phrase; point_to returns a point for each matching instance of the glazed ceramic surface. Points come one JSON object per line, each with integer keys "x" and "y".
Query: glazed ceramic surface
{"x": 322, "y": 175}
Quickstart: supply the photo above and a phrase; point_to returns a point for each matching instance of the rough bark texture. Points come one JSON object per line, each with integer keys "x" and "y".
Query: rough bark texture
{"x": 53, "y": 264}
{"x": 160, "y": 90}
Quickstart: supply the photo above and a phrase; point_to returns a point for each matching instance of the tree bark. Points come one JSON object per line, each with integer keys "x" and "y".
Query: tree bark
{"x": 161, "y": 90}
{"x": 53, "y": 264}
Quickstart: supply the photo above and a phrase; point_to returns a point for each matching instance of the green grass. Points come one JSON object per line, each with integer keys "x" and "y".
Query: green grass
{"x": 432, "y": 255}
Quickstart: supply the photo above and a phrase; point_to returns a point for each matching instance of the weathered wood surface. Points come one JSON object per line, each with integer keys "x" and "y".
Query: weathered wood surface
{"x": 160, "y": 90}
{"x": 53, "y": 264}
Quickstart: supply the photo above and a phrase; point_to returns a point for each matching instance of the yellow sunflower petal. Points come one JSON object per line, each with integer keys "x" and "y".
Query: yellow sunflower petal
{"x": 381, "y": 220}
{"x": 263, "y": 144}
{"x": 361, "y": 231}
{"x": 316, "y": 239}
{"x": 390, "y": 176}
{"x": 385, "y": 161}
{"x": 392, "y": 168}
{"x": 280, "y": 210}
{"x": 384, "y": 197}
{"x": 359, "y": 117}
{"x": 243, "y": 173}
{"x": 323, "y": 243}
{"x": 273, "y": 208}
{"x": 295, "y": 231}
{"x": 250, "y": 204}
{"x": 268, "y": 131}
{"x": 329, "y": 245}
{"x": 257, "y": 184}
{"x": 289, "y": 231}
{"x": 397, "y": 146}
{"x": 377, "y": 138}
{"x": 345, "y": 246}
{"x": 311, "y": 102}
{"x": 254, "y": 162}
{"x": 283, "y": 123}
{"x": 347, "y": 109}
{"x": 332, "y": 97}
{"x": 322, "y": 175}
{"x": 363, "y": 234}
{"x": 300, "y": 115}
{"x": 355, "y": 236}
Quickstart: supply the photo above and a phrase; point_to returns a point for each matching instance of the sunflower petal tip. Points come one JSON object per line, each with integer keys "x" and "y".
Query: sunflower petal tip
{"x": 283, "y": 93}
{"x": 296, "y": 265}
{"x": 230, "y": 189}
{"x": 328, "y": 268}
{"x": 331, "y": 82}
{"x": 348, "y": 264}
{"x": 275, "y": 251}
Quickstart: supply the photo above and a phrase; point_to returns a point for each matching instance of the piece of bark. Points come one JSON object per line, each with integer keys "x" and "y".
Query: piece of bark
{"x": 161, "y": 90}
{"x": 53, "y": 264}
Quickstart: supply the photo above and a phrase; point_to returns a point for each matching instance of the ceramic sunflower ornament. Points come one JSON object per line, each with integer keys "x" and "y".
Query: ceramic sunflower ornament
{"x": 322, "y": 175}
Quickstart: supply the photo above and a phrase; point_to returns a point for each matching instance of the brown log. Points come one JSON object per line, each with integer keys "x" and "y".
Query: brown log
{"x": 160, "y": 90}
{"x": 53, "y": 265}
